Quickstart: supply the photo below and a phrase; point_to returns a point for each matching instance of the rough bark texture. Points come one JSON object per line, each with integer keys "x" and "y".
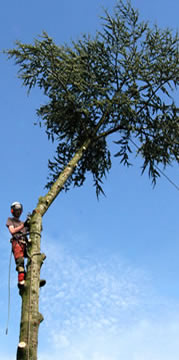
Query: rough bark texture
{"x": 46, "y": 201}
{"x": 30, "y": 315}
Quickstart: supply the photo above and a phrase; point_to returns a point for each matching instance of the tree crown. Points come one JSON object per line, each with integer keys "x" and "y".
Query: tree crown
{"x": 121, "y": 81}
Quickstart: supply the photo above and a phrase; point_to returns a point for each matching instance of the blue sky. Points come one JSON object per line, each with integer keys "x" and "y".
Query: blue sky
{"x": 112, "y": 265}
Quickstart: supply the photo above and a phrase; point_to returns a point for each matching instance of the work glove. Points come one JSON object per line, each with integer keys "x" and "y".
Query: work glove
{"x": 27, "y": 222}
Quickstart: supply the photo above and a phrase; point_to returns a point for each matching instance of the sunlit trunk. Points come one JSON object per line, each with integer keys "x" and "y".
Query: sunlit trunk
{"x": 30, "y": 315}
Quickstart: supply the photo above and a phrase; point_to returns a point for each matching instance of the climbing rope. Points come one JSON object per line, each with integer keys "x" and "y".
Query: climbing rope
{"x": 9, "y": 292}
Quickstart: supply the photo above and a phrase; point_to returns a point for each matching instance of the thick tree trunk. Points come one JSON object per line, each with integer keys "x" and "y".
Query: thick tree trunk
{"x": 30, "y": 315}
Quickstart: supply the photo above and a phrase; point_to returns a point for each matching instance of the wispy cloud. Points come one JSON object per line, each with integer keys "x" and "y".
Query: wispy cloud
{"x": 87, "y": 293}
{"x": 145, "y": 340}
{"x": 100, "y": 309}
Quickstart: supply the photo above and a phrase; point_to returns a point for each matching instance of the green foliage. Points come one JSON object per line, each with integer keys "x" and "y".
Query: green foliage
{"x": 120, "y": 82}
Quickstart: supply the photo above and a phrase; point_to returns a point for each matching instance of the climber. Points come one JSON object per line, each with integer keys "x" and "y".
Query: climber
{"x": 18, "y": 229}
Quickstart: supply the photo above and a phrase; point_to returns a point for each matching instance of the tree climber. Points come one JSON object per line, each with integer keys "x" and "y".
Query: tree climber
{"x": 18, "y": 229}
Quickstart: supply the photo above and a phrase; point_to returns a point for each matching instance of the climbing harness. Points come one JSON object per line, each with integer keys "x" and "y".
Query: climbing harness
{"x": 9, "y": 292}
{"x": 17, "y": 238}
{"x": 9, "y": 285}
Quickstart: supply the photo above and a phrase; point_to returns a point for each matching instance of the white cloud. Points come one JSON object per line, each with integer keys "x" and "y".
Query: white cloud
{"x": 103, "y": 310}
{"x": 88, "y": 294}
{"x": 145, "y": 340}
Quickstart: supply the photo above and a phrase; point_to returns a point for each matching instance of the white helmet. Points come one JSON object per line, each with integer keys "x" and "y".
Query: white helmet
{"x": 16, "y": 206}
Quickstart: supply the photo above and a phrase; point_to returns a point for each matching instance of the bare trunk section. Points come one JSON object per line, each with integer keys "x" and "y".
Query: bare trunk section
{"x": 30, "y": 315}
{"x": 46, "y": 201}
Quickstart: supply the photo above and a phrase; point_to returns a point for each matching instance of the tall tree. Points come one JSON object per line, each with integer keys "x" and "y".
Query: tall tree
{"x": 119, "y": 82}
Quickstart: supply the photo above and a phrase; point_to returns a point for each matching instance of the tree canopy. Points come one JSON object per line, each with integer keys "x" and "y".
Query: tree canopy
{"x": 121, "y": 81}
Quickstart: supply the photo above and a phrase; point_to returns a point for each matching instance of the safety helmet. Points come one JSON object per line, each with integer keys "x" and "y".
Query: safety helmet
{"x": 16, "y": 206}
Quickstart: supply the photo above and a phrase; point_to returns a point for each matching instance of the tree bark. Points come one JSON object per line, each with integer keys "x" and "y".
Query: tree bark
{"x": 30, "y": 315}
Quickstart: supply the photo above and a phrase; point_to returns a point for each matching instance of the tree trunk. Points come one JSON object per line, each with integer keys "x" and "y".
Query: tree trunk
{"x": 30, "y": 315}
